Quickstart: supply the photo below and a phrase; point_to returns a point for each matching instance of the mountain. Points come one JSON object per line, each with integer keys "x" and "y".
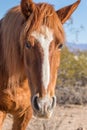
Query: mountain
{"x": 74, "y": 47}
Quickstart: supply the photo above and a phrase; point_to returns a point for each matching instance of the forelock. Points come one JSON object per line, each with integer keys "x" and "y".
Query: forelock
{"x": 44, "y": 14}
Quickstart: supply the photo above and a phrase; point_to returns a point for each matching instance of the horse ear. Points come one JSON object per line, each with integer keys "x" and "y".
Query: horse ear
{"x": 27, "y": 7}
{"x": 65, "y": 13}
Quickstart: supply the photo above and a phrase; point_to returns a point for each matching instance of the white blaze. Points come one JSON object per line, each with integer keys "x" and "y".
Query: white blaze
{"x": 44, "y": 37}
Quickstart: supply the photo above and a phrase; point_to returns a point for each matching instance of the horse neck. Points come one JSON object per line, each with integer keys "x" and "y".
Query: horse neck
{"x": 11, "y": 65}
{"x": 10, "y": 80}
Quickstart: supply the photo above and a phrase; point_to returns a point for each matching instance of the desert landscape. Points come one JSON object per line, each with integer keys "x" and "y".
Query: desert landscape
{"x": 67, "y": 117}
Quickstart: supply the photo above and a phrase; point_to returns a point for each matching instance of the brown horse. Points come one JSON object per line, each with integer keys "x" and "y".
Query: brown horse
{"x": 31, "y": 38}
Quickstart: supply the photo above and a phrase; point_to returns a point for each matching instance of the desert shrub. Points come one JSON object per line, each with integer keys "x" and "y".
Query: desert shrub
{"x": 72, "y": 95}
{"x": 73, "y": 68}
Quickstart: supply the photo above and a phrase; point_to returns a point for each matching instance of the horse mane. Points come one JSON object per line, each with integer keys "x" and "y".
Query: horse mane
{"x": 14, "y": 27}
{"x": 10, "y": 29}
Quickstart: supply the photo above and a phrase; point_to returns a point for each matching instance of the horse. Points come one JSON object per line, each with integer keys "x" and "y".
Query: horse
{"x": 31, "y": 39}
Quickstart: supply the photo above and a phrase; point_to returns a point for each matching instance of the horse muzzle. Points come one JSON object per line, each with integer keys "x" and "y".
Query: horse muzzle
{"x": 43, "y": 107}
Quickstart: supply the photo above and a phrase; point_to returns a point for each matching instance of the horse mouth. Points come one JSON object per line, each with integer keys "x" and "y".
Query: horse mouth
{"x": 41, "y": 115}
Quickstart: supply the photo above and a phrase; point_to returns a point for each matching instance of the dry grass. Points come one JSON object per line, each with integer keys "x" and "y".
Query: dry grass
{"x": 71, "y": 95}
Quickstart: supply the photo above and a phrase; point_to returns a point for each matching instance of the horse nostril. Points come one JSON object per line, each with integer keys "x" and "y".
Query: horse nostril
{"x": 53, "y": 102}
{"x": 35, "y": 103}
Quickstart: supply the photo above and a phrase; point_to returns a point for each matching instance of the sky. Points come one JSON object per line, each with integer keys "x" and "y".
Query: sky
{"x": 76, "y": 32}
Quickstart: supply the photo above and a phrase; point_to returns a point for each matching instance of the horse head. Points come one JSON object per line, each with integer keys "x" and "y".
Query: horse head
{"x": 43, "y": 38}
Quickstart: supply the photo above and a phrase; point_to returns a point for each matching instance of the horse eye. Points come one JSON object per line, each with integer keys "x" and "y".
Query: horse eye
{"x": 60, "y": 46}
{"x": 28, "y": 45}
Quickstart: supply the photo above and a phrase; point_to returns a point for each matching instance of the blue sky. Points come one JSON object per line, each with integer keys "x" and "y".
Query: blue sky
{"x": 75, "y": 33}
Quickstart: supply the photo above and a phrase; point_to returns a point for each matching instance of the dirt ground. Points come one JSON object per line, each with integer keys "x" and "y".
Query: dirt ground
{"x": 69, "y": 117}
